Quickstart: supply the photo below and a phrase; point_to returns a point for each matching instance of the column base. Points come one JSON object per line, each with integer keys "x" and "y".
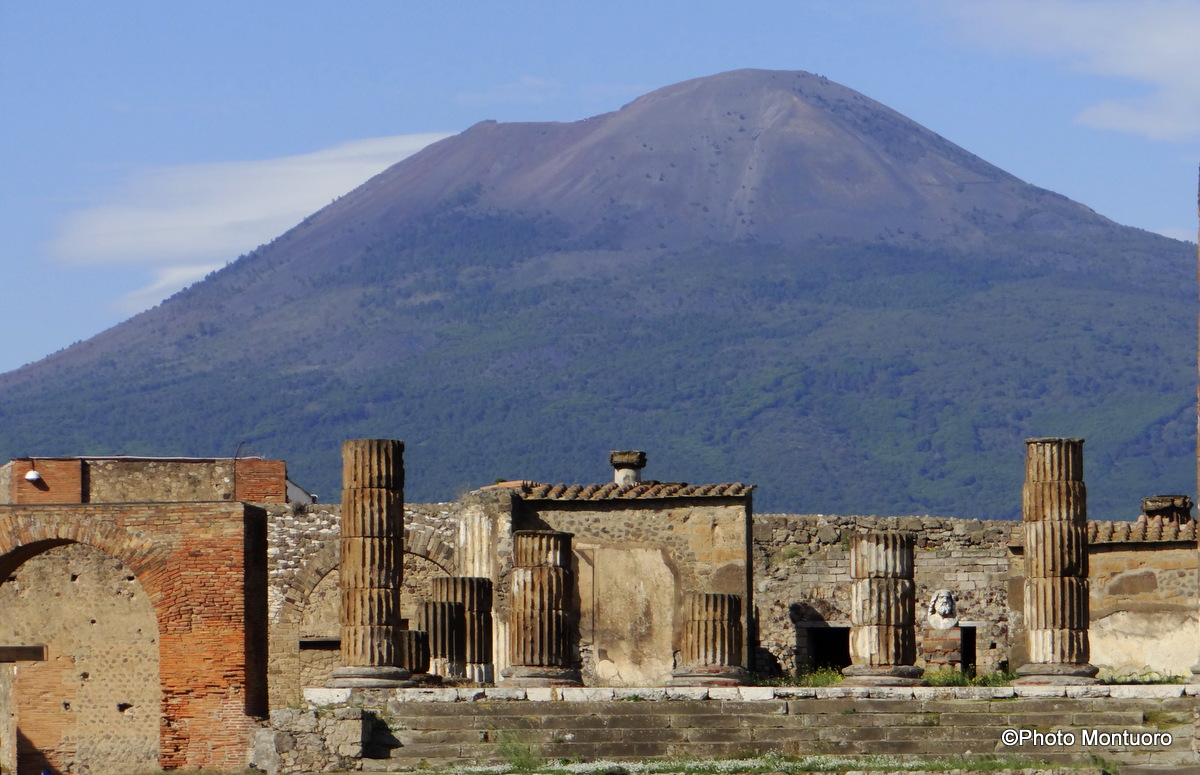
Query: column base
{"x": 1057, "y": 674}
{"x": 373, "y": 677}
{"x": 882, "y": 675}
{"x": 481, "y": 673}
{"x": 709, "y": 675}
{"x": 448, "y": 669}
{"x": 535, "y": 676}
{"x": 1195, "y": 674}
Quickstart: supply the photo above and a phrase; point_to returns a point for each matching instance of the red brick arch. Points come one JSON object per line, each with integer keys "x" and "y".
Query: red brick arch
{"x": 203, "y": 567}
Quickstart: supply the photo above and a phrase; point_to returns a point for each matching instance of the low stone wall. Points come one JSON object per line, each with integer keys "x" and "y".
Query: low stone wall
{"x": 387, "y": 730}
{"x": 802, "y": 579}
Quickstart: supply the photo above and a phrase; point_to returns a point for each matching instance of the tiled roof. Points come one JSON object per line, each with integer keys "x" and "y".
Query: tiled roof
{"x": 643, "y": 491}
{"x": 1152, "y": 529}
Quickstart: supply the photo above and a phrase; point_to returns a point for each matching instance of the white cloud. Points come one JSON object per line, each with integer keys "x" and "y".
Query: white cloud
{"x": 1150, "y": 42}
{"x": 526, "y": 89}
{"x": 183, "y": 221}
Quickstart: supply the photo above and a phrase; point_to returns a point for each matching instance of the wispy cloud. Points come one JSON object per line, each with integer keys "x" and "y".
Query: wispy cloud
{"x": 1149, "y": 42}
{"x": 526, "y": 89}
{"x": 181, "y": 222}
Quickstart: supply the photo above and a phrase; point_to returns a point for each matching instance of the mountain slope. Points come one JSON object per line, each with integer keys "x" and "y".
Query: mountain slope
{"x": 759, "y": 275}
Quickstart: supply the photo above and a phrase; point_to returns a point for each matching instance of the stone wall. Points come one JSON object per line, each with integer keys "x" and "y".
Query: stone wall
{"x": 1143, "y": 585}
{"x": 398, "y": 729}
{"x": 94, "y": 700}
{"x": 802, "y": 579}
{"x": 634, "y": 561}
{"x": 1142, "y": 597}
{"x": 8, "y": 720}
{"x": 303, "y": 599}
{"x": 134, "y": 480}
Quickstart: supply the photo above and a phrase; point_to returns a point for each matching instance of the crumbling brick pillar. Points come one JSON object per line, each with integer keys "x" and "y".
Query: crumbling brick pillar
{"x": 372, "y": 564}
{"x": 1054, "y": 509}
{"x": 711, "y": 642}
{"x": 446, "y": 623}
{"x": 541, "y": 648}
{"x": 883, "y": 642}
{"x": 475, "y": 593}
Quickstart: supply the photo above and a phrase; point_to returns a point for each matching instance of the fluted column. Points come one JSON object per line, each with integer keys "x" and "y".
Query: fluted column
{"x": 541, "y": 649}
{"x": 710, "y": 651}
{"x": 475, "y": 593}
{"x": 1054, "y": 510}
{"x": 372, "y": 563}
{"x": 883, "y": 639}
{"x": 446, "y": 623}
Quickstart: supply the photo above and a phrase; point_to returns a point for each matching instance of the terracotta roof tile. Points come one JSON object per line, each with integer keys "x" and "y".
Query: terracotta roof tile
{"x": 642, "y": 491}
{"x": 1125, "y": 532}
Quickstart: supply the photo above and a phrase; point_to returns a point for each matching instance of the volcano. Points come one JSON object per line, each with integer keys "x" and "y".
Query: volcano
{"x": 758, "y": 276}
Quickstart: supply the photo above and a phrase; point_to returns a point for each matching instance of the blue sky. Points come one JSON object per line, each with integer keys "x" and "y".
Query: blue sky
{"x": 144, "y": 144}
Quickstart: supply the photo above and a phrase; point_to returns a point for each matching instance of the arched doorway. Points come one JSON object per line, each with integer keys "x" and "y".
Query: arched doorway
{"x": 93, "y": 706}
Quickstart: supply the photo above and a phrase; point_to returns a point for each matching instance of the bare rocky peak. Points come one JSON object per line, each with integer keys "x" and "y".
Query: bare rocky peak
{"x": 749, "y": 155}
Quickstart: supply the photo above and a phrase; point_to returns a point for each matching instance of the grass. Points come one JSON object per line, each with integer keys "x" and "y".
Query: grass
{"x": 948, "y": 677}
{"x": 823, "y": 676}
{"x": 773, "y": 763}
{"x": 1112, "y": 676}
{"x": 520, "y": 752}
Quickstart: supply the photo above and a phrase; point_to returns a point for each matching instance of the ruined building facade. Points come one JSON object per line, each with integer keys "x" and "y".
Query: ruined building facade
{"x": 174, "y": 614}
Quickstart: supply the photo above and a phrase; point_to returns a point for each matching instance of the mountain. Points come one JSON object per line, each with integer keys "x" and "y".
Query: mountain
{"x": 757, "y": 276}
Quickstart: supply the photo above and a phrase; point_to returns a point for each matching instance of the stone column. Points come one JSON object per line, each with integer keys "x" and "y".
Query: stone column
{"x": 446, "y": 623}
{"x": 711, "y": 642}
{"x": 414, "y": 652}
{"x": 372, "y": 566}
{"x": 1054, "y": 509}
{"x": 543, "y": 593}
{"x": 883, "y": 638}
{"x": 475, "y": 593}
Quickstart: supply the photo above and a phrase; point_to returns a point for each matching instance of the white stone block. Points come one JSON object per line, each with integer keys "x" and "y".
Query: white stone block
{"x": 689, "y": 692}
{"x": 320, "y": 696}
{"x": 641, "y": 692}
{"x": 1039, "y": 690}
{"x": 540, "y": 693}
{"x": 724, "y": 693}
{"x": 439, "y": 694}
{"x": 506, "y": 693}
{"x": 1145, "y": 691}
{"x": 756, "y": 693}
{"x": 1089, "y": 691}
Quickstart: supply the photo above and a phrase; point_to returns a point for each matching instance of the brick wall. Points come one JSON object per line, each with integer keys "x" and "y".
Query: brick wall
{"x": 198, "y": 563}
{"x": 260, "y": 481}
{"x": 61, "y": 481}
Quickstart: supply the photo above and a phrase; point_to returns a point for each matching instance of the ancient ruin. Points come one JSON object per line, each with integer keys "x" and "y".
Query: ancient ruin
{"x": 372, "y": 567}
{"x": 883, "y": 644}
{"x": 1054, "y": 508}
{"x": 670, "y": 592}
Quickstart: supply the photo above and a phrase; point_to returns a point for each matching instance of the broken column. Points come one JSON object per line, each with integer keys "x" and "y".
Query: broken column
{"x": 372, "y": 567}
{"x": 883, "y": 643}
{"x": 413, "y": 647}
{"x": 711, "y": 643}
{"x": 446, "y": 623}
{"x": 540, "y": 627}
{"x": 1054, "y": 509}
{"x": 475, "y": 593}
